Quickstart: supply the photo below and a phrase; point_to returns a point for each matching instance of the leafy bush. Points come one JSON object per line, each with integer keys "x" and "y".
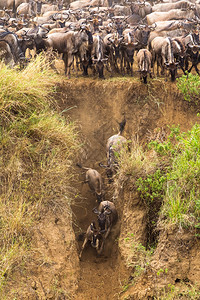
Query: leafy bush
{"x": 170, "y": 186}
{"x": 151, "y": 188}
{"x": 189, "y": 85}
{"x": 182, "y": 167}
{"x": 181, "y": 203}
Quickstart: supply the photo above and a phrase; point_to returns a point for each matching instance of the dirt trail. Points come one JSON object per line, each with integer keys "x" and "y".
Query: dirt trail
{"x": 100, "y": 277}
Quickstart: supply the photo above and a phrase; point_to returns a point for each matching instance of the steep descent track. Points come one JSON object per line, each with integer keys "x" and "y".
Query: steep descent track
{"x": 101, "y": 277}
{"x": 98, "y": 107}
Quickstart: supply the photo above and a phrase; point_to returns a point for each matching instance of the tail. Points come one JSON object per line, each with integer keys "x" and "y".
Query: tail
{"x": 122, "y": 126}
{"x": 14, "y": 9}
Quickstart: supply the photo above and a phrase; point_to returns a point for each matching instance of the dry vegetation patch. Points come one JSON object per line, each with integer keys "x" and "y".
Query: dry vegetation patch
{"x": 38, "y": 146}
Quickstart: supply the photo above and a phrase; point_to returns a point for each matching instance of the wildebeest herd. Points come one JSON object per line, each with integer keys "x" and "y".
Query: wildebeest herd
{"x": 104, "y": 34}
{"x": 106, "y": 212}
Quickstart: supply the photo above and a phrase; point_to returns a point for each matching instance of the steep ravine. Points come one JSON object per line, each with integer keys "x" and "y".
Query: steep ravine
{"x": 55, "y": 271}
{"x": 98, "y": 106}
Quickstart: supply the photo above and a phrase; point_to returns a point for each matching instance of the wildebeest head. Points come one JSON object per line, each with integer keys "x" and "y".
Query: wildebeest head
{"x": 80, "y": 37}
{"x": 142, "y": 34}
{"x": 144, "y": 76}
{"x": 103, "y": 218}
{"x": 116, "y": 43}
{"x": 26, "y": 42}
{"x": 172, "y": 67}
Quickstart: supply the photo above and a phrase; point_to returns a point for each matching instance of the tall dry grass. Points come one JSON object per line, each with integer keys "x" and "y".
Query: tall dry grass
{"x": 37, "y": 148}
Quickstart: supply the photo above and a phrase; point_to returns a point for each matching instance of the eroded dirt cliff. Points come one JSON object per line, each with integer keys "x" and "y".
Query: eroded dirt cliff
{"x": 56, "y": 273}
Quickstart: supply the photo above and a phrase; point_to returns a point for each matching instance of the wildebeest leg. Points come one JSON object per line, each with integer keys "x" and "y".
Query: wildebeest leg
{"x": 162, "y": 69}
{"x": 108, "y": 68}
{"x": 190, "y": 69}
{"x": 121, "y": 64}
{"x": 107, "y": 232}
{"x": 83, "y": 246}
{"x": 132, "y": 69}
{"x": 85, "y": 65}
{"x": 100, "y": 68}
{"x": 186, "y": 64}
{"x": 51, "y": 58}
{"x": 145, "y": 79}
{"x": 128, "y": 67}
{"x": 153, "y": 63}
{"x": 68, "y": 60}
{"x": 158, "y": 63}
{"x": 197, "y": 70}
{"x": 99, "y": 251}
{"x": 77, "y": 62}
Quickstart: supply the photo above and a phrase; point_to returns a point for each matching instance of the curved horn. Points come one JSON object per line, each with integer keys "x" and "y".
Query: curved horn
{"x": 95, "y": 211}
{"x": 110, "y": 39}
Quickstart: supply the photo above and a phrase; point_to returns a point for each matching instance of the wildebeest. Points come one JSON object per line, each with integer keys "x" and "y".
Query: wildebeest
{"x": 191, "y": 42}
{"x": 106, "y": 216}
{"x": 162, "y": 53}
{"x": 98, "y": 54}
{"x": 128, "y": 48}
{"x": 144, "y": 58}
{"x": 114, "y": 145}
{"x": 112, "y": 46}
{"x": 95, "y": 237}
{"x": 13, "y": 42}
{"x": 95, "y": 182}
{"x": 141, "y": 8}
{"x": 173, "y": 14}
{"x": 67, "y": 44}
{"x": 11, "y": 3}
{"x": 162, "y": 7}
{"x": 6, "y": 53}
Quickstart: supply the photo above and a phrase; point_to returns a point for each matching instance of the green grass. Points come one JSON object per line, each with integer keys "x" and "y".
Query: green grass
{"x": 168, "y": 173}
{"x": 37, "y": 148}
{"x": 183, "y": 291}
{"x": 189, "y": 86}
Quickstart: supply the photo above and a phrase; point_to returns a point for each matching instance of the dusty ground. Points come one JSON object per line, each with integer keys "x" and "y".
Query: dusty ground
{"x": 97, "y": 107}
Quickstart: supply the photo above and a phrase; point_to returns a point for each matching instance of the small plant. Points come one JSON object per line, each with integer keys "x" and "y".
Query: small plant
{"x": 189, "y": 86}
{"x": 152, "y": 187}
{"x": 183, "y": 291}
{"x": 139, "y": 258}
{"x": 161, "y": 271}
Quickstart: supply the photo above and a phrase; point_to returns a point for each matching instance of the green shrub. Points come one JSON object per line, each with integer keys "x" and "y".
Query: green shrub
{"x": 182, "y": 167}
{"x": 151, "y": 188}
{"x": 189, "y": 86}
